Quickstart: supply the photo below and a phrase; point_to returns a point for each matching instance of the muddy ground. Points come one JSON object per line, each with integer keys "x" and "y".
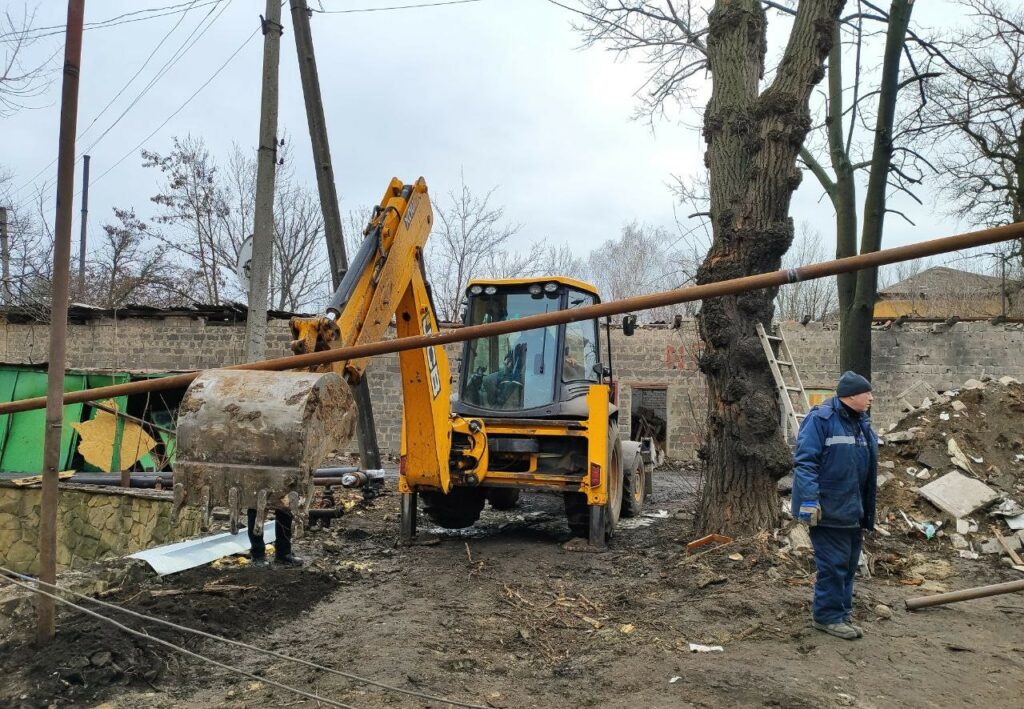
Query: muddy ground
{"x": 503, "y": 616}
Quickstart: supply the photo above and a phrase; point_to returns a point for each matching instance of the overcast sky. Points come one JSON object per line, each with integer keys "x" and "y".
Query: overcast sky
{"x": 496, "y": 89}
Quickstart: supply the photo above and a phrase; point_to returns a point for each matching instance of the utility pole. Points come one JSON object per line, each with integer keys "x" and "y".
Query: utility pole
{"x": 369, "y": 453}
{"x": 5, "y": 256}
{"x": 85, "y": 221}
{"x": 266, "y": 165}
{"x": 46, "y": 617}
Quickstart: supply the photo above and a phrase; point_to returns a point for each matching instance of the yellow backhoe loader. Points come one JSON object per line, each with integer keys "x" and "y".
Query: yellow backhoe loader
{"x": 534, "y": 409}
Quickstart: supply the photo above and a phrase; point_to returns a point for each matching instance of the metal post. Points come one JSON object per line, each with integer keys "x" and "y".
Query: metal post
{"x": 5, "y": 256}
{"x": 85, "y": 222}
{"x": 59, "y": 315}
{"x": 369, "y": 452}
{"x": 263, "y": 219}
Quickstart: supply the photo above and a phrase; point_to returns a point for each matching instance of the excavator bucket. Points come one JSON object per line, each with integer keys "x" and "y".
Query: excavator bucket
{"x": 252, "y": 440}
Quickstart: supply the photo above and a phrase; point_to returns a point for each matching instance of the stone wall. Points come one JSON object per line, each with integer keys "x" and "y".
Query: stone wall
{"x": 654, "y": 358}
{"x": 93, "y": 523}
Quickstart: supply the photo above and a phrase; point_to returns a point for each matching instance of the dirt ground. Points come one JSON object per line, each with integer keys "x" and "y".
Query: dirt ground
{"x": 502, "y": 615}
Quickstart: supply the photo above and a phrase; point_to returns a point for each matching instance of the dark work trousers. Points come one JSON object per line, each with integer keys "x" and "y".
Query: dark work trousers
{"x": 282, "y": 531}
{"x": 836, "y": 553}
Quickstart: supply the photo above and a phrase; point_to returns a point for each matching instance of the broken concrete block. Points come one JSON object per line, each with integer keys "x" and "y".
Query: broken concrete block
{"x": 958, "y": 495}
{"x": 958, "y": 405}
{"x": 899, "y": 437}
{"x": 887, "y": 464}
{"x": 924, "y": 474}
{"x": 957, "y": 457}
{"x": 973, "y": 384}
{"x": 959, "y": 541}
{"x": 883, "y": 478}
{"x": 992, "y": 546}
{"x": 1007, "y": 381}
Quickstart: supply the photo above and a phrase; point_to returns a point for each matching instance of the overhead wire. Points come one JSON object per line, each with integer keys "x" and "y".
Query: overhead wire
{"x": 102, "y": 24}
{"x": 182, "y": 50}
{"x": 244, "y": 646}
{"x": 394, "y": 7}
{"x": 82, "y": 133}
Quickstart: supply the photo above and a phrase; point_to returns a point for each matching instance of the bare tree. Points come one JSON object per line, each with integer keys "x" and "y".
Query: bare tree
{"x": 300, "y": 278}
{"x": 636, "y": 263}
{"x": 21, "y": 79}
{"x": 753, "y": 134}
{"x": 978, "y": 111}
{"x": 812, "y": 300}
{"x": 469, "y": 234}
{"x": 131, "y": 267}
{"x": 194, "y": 210}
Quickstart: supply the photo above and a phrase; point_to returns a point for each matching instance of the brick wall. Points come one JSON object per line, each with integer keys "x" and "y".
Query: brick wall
{"x": 654, "y": 357}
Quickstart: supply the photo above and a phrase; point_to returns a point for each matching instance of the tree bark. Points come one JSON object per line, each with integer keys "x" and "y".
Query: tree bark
{"x": 856, "y": 317}
{"x": 753, "y": 141}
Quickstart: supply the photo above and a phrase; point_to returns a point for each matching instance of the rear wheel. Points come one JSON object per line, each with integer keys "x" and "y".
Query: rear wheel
{"x": 459, "y": 509}
{"x": 503, "y": 498}
{"x": 634, "y": 488}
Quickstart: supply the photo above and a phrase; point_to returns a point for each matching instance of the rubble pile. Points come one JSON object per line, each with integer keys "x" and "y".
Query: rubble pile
{"x": 951, "y": 472}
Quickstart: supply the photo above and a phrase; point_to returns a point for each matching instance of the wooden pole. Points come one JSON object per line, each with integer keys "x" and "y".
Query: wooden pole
{"x": 46, "y": 618}
{"x": 5, "y": 257}
{"x": 369, "y": 451}
{"x": 266, "y": 165}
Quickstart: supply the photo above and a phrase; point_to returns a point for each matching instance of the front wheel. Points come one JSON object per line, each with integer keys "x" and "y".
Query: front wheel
{"x": 459, "y": 509}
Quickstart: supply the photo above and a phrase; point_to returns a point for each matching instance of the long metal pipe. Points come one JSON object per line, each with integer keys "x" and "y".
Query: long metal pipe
{"x": 45, "y": 625}
{"x": 965, "y": 594}
{"x": 733, "y": 286}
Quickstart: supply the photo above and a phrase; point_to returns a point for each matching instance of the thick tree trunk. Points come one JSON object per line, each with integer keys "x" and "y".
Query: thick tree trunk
{"x": 753, "y": 141}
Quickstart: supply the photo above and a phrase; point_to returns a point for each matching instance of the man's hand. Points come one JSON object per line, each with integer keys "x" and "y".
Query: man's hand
{"x": 809, "y": 513}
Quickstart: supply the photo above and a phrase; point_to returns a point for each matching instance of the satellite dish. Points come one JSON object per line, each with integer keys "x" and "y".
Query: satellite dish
{"x": 243, "y": 269}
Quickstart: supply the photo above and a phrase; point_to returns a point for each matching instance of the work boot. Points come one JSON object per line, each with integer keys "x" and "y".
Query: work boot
{"x": 840, "y": 630}
{"x": 289, "y": 560}
{"x": 258, "y": 559}
{"x": 856, "y": 628}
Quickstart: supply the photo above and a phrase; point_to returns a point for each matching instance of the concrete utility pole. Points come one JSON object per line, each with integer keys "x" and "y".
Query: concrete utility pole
{"x": 266, "y": 165}
{"x": 369, "y": 453}
{"x": 85, "y": 222}
{"x": 45, "y": 625}
{"x": 5, "y": 256}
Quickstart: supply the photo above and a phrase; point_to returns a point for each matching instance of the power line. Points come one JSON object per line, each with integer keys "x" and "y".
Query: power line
{"x": 181, "y": 107}
{"x": 244, "y": 646}
{"x": 179, "y": 53}
{"x": 184, "y": 13}
{"x": 103, "y": 24}
{"x": 394, "y": 7}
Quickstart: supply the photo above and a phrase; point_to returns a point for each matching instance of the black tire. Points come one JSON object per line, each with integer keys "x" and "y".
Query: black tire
{"x": 503, "y": 498}
{"x": 578, "y": 512}
{"x": 459, "y": 509}
{"x": 634, "y": 488}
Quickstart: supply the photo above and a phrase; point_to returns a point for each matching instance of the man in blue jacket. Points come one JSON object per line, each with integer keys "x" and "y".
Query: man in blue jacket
{"x": 834, "y": 485}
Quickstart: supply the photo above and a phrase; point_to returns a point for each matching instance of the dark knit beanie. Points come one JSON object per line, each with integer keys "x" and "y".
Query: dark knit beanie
{"x": 851, "y": 384}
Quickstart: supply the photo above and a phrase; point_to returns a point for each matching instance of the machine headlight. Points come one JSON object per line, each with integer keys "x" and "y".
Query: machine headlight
{"x": 550, "y": 287}
{"x": 490, "y": 290}
{"x": 535, "y": 289}
{"x": 475, "y": 290}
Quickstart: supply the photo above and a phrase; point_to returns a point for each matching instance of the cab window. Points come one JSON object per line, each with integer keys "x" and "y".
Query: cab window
{"x": 580, "y": 349}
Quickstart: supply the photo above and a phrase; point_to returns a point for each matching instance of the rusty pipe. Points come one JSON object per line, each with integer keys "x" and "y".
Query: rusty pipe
{"x": 733, "y": 286}
{"x": 966, "y": 594}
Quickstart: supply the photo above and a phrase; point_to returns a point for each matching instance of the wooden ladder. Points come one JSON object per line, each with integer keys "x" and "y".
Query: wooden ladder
{"x": 776, "y": 350}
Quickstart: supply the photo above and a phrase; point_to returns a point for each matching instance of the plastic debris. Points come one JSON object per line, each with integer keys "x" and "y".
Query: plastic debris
{"x": 697, "y": 647}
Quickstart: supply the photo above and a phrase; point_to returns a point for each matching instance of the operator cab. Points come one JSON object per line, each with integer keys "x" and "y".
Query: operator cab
{"x": 533, "y": 373}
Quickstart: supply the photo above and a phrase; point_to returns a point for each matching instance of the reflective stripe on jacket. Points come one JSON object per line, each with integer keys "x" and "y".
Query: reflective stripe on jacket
{"x": 836, "y": 465}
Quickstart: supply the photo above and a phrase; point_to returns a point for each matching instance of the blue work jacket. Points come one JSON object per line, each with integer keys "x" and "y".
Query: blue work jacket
{"x": 836, "y": 465}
